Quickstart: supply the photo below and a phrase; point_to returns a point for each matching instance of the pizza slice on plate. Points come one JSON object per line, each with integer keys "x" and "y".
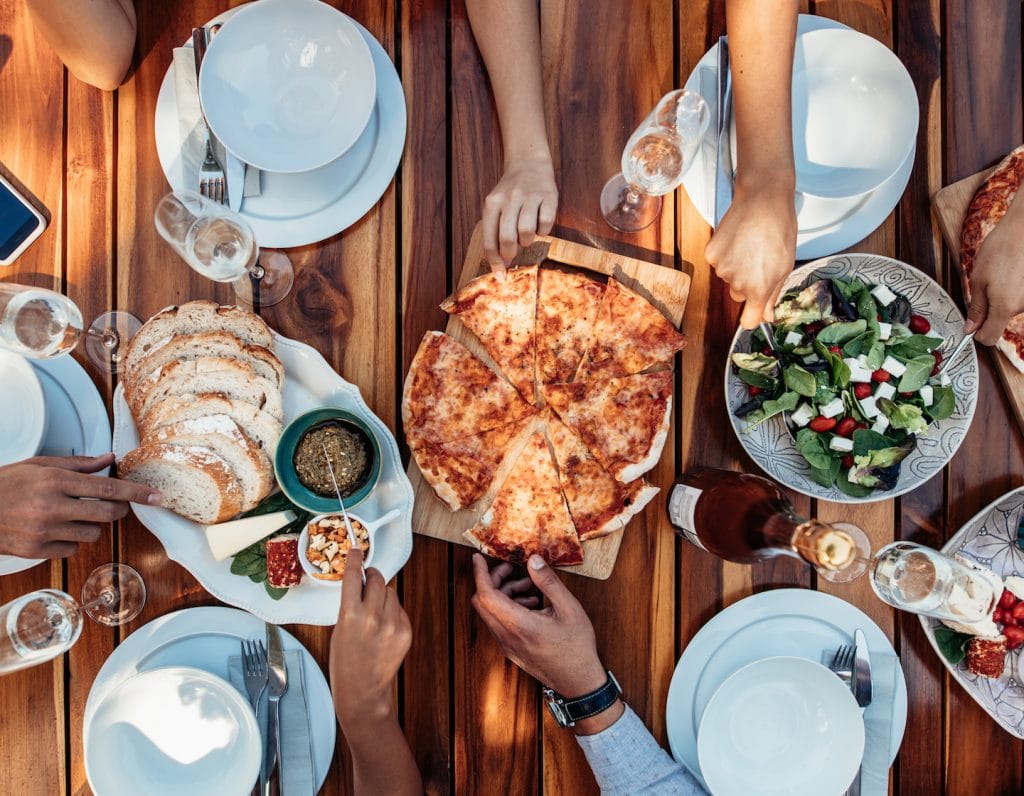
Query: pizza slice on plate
{"x": 529, "y": 514}
{"x": 502, "y": 313}
{"x": 450, "y": 394}
{"x": 630, "y": 335}
{"x": 623, "y": 421}
{"x": 567, "y": 307}
{"x": 599, "y": 504}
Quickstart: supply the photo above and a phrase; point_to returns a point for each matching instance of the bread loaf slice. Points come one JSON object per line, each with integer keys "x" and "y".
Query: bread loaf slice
{"x": 194, "y": 481}
{"x": 234, "y": 379}
{"x": 221, "y": 434}
{"x": 258, "y": 425}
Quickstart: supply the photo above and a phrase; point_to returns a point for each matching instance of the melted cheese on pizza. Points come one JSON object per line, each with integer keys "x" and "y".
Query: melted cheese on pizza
{"x": 567, "y": 307}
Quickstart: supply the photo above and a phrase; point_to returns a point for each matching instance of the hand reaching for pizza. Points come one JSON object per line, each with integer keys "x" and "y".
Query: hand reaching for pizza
{"x": 997, "y": 278}
{"x": 753, "y": 248}
{"x": 555, "y": 644}
{"x": 521, "y": 206}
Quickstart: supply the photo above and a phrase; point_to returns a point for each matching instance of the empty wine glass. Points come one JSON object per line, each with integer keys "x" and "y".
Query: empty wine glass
{"x": 654, "y": 161}
{"x": 41, "y": 324}
{"x": 218, "y": 243}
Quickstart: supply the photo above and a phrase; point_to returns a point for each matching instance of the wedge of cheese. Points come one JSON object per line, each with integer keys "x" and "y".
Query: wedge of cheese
{"x": 227, "y": 538}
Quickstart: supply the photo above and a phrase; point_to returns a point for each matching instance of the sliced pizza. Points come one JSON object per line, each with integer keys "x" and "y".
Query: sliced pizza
{"x": 1012, "y": 342}
{"x": 462, "y": 471}
{"x": 630, "y": 335}
{"x": 623, "y": 421}
{"x": 450, "y": 394}
{"x": 529, "y": 514}
{"x": 567, "y": 307}
{"x": 599, "y": 504}
{"x": 501, "y": 313}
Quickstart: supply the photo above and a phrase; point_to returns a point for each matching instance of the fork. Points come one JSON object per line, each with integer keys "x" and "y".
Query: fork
{"x": 212, "y": 183}
{"x": 842, "y": 667}
{"x": 255, "y": 671}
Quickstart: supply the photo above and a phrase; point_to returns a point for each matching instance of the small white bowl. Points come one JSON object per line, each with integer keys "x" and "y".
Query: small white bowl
{"x": 371, "y": 530}
{"x": 781, "y": 726}
{"x": 288, "y": 85}
{"x": 22, "y": 409}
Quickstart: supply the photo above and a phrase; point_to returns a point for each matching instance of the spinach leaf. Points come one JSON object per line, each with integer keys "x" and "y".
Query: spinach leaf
{"x": 876, "y": 356}
{"x": 865, "y": 440}
{"x": 276, "y": 502}
{"x": 847, "y": 488}
{"x": 838, "y": 333}
{"x": 757, "y": 363}
{"x": 952, "y": 645}
{"x": 840, "y": 370}
{"x": 905, "y": 416}
{"x": 848, "y": 287}
{"x": 917, "y": 373}
{"x": 914, "y": 346}
{"x": 784, "y": 403}
{"x": 756, "y": 379}
{"x": 861, "y": 343}
{"x": 800, "y": 381}
{"x": 813, "y": 448}
{"x": 827, "y": 478}
{"x": 275, "y": 594}
{"x": 943, "y": 403}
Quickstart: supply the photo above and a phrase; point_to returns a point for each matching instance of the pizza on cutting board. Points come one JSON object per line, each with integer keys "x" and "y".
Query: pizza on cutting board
{"x": 989, "y": 205}
{"x": 544, "y": 479}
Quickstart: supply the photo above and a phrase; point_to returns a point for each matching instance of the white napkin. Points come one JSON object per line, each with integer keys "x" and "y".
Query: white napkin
{"x": 885, "y": 671}
{"x": 243, "y": 180}
{"x": 296, "y": 765}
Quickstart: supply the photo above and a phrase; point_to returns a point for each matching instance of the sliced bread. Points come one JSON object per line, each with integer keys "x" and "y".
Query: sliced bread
{"x": 258, "y": 425}
{"x": 194, "y": 481}
{"x": 221, "y": 434}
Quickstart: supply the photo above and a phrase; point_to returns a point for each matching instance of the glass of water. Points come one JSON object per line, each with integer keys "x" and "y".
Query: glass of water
{"x": 37, "y": 627}
{"x": 218, "y": 243}
{"x": 654, "y": 161}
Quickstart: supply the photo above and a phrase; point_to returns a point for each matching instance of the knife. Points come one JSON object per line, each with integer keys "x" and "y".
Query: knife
{"x": 200, "y": 41}
{"x": 277, "y": 685}
{"x": 860, "y": 684}
{"x": 723, "y": 159}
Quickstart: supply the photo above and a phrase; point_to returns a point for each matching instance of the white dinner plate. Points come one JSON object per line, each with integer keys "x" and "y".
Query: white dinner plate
{"x": 310, "y": 383}
{"x": 77, "y": 424}
{"x": 824, "y": 226}
{"x": 204, "y": 638}
{"x": 303, "y": 208}
{"x": 781, "y": 622}
{"x": 173, "y": 730}
{"x": 22, "y": 409}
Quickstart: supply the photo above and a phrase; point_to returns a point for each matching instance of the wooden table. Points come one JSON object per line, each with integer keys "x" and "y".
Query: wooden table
{"x": 364, "y": 299}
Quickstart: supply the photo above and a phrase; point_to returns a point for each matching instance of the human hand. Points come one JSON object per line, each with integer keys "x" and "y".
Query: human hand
{"x": 521, "y": 206}
{"x": 44, "y": 515}
{"x": 754, "y": 247}
{"x": 368, "y": 645}
{"x": 997, "y": 282}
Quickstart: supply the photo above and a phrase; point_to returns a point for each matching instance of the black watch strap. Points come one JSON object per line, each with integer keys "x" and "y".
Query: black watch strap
{"x": 569, "y": 711}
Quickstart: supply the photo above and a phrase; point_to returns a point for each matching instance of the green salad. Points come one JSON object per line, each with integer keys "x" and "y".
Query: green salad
{"x": 857, "y": 377}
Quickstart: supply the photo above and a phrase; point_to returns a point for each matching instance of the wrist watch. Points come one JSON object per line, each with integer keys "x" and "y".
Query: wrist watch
{"x": 569, "y": 711}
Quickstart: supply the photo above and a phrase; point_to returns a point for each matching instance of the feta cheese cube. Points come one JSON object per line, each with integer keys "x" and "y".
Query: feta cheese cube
{"x": 841, "y": 444}
{"x": 881, "y": 424}
{"x": 885, "y": 390}
{"x": 802, "y": 415}
{"x": 884, "y": 295}
{"x": 884, "y": 330}
{"x": 857, "y": 371}
{"x": 793, "y": 338}
{"x": 927, "y": 395}
{"x": 867, "y": 406}
{"x": 894, "y": 366}
{"x": 944, "y": 379}
{"x": 862, "y": 360}
{"x": 832, "y": 408}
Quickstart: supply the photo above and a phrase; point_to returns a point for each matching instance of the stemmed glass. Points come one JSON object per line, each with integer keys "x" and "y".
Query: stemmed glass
{"x": 217, "y": 243}
{"x": 40, "y": 324}
{"x": 654, "y": 161}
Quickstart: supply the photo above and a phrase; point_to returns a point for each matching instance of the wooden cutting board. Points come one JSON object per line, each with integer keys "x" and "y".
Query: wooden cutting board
{"x": 664, "y": 287}
{"x": 950, "y": 207}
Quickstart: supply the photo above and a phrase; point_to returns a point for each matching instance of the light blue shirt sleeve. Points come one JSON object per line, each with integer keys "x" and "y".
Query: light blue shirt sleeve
{"x": 626, "y": 759}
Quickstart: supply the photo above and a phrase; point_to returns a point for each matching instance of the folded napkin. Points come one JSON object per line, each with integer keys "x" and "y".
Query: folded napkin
{"x": 242, "y": 180}
{"x": 296, "y": 764}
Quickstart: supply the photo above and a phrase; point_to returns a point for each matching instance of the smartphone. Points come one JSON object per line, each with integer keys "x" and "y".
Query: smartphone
{"x": 20, "y": 223}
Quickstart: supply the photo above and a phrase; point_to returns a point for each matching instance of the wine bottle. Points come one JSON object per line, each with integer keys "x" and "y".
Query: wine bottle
{"x": 746, "y": 518}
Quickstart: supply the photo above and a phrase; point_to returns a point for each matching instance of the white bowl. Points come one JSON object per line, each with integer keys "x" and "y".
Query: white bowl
{"x": 170, "y": 731}
{"x": 371, "y": 530}
{"x": 22, "y": 409}
{"x": 781, "y": 725}
{"x": 288, "y": 85}
{"x": 855, "y": 113}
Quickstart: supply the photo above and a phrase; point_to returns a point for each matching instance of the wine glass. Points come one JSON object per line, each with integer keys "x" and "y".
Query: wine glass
{"x": 41, "y": 324}
{"x": 218, "y": 243}
{"x": 654, "y": 161}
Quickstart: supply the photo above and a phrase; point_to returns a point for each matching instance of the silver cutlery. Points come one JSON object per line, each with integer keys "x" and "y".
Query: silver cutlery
{"x": 723, "y": 161}
{"x": 951, "y": 357}
{"x": 254, "y": 671}
{"x": 277, "y": 686}
{"x": 353, "y": 541}
{"x": 212, "y": 180}
{"x": 852, "y": 664}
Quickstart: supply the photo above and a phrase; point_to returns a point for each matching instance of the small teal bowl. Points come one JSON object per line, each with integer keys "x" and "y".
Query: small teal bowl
{"x": 288, "y": 479}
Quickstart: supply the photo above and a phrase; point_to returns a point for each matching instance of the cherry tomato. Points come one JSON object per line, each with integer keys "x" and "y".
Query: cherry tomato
{"x": 752, "y": 390}
{"x": 880, "y": 376}
{"x": 938, "y": 362}
{"x": 878, "y": 316}
{"x": 822, "y": 423}
{"x": 997, "y": 615}
{"x": 835, "y": 349}
{"x": 862, "y": 389}
{"x": 906, "y": 395}
{"x": 919, "y": 324}
{"x": 814, "y": 328}
{"x": 767, "y": 351}
{"x": 1007, "y": 599}
{"x": 847, "y": 461}
{"x": 1017, "y": 612}
{"x": 1014, "y": 637}
{"x": 846, "y": 427}
{"x": 859, "y": 426}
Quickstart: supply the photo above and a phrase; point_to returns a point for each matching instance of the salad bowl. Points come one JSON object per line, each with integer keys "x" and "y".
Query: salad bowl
{"x": 884, "y": 420}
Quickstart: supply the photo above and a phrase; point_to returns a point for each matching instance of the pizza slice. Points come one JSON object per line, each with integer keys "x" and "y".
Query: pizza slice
{"x": 502, "y": 313}
{"x": 1012, "y": 342}
{"x": 623, "y": 421}
{"x": 599, "y": 504}
{"x": 630, "y": 335}
{"x": 462, "y": 471}
{"x": 529, "y": 514}
{"x": 567, "y": 307}
{"x": 450, "y": 394}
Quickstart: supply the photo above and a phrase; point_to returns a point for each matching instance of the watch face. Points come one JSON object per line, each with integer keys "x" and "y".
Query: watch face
{"x": 558, "y": 711}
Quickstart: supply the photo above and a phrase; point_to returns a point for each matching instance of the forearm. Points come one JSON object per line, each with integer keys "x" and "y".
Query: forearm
{"x": 94, "y": 38}
{"x": 761, "y": 40}
{"x": 381, "y": 759}
{"x": 508, "y": 35}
